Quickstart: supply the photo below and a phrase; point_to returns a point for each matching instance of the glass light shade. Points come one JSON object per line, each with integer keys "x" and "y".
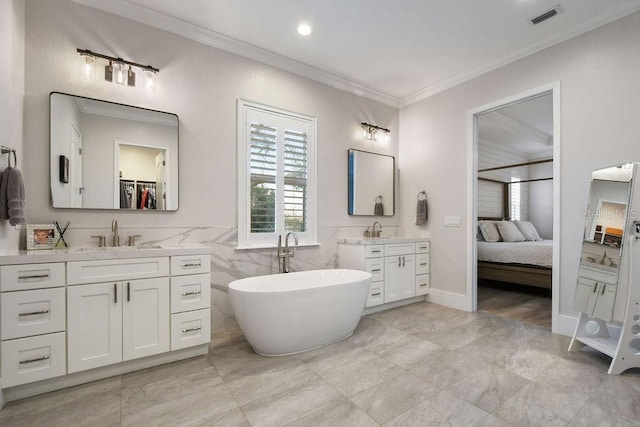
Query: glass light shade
{"x": 152, "y": 77}
{"x": 87, "y": 66}
{"x": 119, "y": 72}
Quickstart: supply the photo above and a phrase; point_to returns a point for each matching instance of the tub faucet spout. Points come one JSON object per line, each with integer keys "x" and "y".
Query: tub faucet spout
{"x": 286, "y": 253}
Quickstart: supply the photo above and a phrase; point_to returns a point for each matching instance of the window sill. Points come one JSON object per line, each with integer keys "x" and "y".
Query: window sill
{"x": 272, "y": 246}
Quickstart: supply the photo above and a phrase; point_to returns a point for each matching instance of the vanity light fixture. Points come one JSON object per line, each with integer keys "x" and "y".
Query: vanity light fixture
{"x": 88, "y": 65}
{"x": 118, "y": 70}
{"x": 370, "y": 132}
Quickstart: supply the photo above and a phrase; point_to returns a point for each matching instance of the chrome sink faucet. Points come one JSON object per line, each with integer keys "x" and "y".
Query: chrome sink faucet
{"x": 285, "y": 253}
{"x": 375, "y": 233}
{"x": 115, "y": 239}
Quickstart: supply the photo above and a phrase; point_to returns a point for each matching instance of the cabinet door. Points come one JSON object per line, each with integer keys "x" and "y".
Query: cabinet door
{"x": 408, "y": 276}
{"x": 604, "y": 304}
{"x": 94, "y": 325}
{"x": 392, "y": 277}
{"x": 586, "y": 293}
{"x": 399, "y": 277}
{"x": 145, "y": 317}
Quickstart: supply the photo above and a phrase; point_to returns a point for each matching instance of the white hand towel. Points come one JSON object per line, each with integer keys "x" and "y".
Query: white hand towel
{"x": 12, "y": 196}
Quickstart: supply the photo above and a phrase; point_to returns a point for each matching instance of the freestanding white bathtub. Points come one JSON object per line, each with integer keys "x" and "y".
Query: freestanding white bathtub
{"x": 282, "y": 314}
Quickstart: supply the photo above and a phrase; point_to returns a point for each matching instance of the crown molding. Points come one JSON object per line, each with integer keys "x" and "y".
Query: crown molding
{"x": 592, "y": 24}
{"x": 214, "y": 39}
{"x": 219, "y": 41}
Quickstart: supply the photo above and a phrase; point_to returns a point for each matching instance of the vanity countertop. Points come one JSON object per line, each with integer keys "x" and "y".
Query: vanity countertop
{"x": 380, "y": 240}
{"x": 96, "y": 253}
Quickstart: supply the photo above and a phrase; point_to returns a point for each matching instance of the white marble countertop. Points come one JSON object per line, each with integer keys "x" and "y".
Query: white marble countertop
{"x": 380, "y": 240}
{"x": 96, "y": 253}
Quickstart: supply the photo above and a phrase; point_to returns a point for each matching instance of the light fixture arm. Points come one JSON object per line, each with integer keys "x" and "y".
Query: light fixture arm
{"x": 112, "y": 58}
{"x": 367, "y": 125}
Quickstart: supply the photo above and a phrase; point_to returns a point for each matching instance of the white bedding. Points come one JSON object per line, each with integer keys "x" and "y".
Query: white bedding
{"x": 538, "y": 253}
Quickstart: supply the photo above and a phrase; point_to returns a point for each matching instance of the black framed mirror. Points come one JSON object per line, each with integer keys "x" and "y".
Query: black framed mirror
{"x": 371, "y": 183}
{"x": 106, "y": 155}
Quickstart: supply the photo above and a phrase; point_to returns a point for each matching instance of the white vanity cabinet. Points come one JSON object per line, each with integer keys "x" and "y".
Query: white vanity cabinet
{"x": 595, "y": 293}
{"x": 190, "y": 301}
{"x": 117, "y": 321}
{"x": 32, "y": 322}
{"x": 96, "y": 314}
{"x": 399, "y": 267}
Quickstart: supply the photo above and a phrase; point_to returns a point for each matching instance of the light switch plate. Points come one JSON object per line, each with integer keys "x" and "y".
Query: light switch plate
{"x": 452, "y": 221}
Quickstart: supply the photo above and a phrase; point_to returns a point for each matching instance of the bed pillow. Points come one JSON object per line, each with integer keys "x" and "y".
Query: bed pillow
{"x": 489, "y": 231}
{"x": 528, "y": 230}
{"x": 509, "y": 232}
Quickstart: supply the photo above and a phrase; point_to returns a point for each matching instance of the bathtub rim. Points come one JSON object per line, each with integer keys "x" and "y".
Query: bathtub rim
{"x": 256, "y": 284}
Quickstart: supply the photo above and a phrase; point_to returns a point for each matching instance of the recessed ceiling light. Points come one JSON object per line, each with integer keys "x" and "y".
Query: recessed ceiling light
{"x": 304, "y": 29}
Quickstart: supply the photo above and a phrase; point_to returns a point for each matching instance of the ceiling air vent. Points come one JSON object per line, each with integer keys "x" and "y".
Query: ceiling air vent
{"x": 546, "y": 15}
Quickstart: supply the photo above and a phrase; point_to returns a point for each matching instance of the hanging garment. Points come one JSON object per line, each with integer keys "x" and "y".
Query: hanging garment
{"x": 143, "y": 202}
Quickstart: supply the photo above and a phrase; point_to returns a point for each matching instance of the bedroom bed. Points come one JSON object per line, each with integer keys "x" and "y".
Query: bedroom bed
{"x": 524, "y": 263}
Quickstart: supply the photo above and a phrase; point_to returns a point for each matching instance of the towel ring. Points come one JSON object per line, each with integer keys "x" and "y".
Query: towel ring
{"x": 422, "y": 195}
{"x": 379, "y": 199}
{"x": 7, "y": 150}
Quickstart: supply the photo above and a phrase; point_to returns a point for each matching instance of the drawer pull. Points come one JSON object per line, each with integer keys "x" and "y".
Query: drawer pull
{"x": 34, "y": 276}
{"x": 115, "y": 293}
{"x": 184, "y": 331}
{"x": 186, "y": 294}
{"x": 423, "y": 263}
{"x": 424, "y": 285}
{"x": 423, "y": 247}
{"x": 375, "y": 251}
{"x": 191, "y": 264}
{"x": 603, "y": 288}
{"x": 377, "y": 294}
{"x": 39, "y": 359}
{"x": 34, "y": 313}
{"x": 375, "y": 270}
{"x": 595, "y": 287}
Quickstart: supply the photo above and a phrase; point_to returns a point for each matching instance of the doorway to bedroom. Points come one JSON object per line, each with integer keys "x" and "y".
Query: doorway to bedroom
{"x": 514, "y": 209}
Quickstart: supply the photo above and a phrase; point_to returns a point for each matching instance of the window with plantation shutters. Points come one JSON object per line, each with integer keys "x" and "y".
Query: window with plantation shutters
{"x": 276, "y": 175}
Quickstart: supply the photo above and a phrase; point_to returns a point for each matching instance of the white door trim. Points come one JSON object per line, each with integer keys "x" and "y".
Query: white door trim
{"x": 472, "y": 209}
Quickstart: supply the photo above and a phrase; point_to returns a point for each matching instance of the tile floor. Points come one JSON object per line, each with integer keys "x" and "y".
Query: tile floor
{"x": 418, "y": 365}
{"x": 525, "y": 303}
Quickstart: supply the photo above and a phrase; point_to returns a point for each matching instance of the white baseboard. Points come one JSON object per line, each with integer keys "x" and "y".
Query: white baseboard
{"x": 565, "y": 325}
{"x": 449, "y": 299}
{"x": 391, "y": 305}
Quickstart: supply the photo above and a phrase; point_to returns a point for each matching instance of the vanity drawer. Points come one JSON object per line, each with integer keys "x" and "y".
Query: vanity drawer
{"x": 190, "y": 328}
{"x": 422, "y": 284}
{"x": 190, "y": 264}
{"x": 33, "y": 359}
{"x": 190, "y": 292}
{"x": 422, "y": 264}
{"x": 422, "y": 247}
{"x": 399, "y": 249}
{"x": 374, "y": 251}
{"x": 375, "y": 266}
{"x": 110, "y": 270}
{"x": 29, "y": 313}
{"x": 31, "y": 276}
{"x": 376, "y": 294}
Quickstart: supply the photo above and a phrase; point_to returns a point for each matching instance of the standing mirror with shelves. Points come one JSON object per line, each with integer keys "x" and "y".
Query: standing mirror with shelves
{"x": 607, "y": 293}
{"x": 106, "y": 155}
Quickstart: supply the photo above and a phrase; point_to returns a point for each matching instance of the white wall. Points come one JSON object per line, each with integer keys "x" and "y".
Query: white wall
{"x": 12, "y": 34}
{"x": 598, "y": 73}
